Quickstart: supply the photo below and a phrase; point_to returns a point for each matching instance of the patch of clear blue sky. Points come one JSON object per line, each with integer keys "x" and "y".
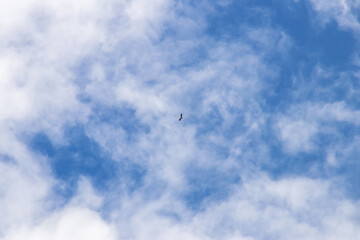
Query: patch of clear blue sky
{"x": 79, "y": 157}
{"x": 326, "y": 45}
{"x": 208, "y": 185}
{"x": 124, "y": 118}
{"x": 82, "y": 156}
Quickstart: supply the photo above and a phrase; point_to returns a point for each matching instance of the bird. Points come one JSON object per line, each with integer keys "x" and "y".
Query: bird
{"x": 180, "y": 116}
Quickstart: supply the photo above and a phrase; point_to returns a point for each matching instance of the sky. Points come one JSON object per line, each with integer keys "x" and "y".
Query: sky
{"x": 90, "y": 142}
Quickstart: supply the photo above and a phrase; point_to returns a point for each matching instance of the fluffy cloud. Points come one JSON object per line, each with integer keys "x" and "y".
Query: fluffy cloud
{"x": 41, "y": 43}
{"x": 70, "y": 223}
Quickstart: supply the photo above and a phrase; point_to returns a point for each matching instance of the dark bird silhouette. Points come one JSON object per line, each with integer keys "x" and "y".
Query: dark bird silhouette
{"x": 180, "y": 116}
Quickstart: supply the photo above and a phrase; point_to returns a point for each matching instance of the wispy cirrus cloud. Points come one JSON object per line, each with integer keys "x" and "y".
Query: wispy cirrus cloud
{"x": 312, "y": 120}
{"x": 344, "y": 12}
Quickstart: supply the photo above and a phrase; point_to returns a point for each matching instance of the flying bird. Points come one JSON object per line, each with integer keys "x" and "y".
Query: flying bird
{"x": 180, "y": 116}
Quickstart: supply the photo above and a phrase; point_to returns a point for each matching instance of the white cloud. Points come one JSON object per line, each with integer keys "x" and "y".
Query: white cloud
{"x": 296, "y": 208}
{"x": 296, "y": 134}
{"x": 290, "y": 208}
{"x": 41, "y": 43}
{"x": 303, "y": 122}
{"x": 343, "y": 153}
{"x": 344, "y": 12}
{"x": 86, "y": 196}
{"x": 37, "y": 84}
{"x": 70, "y": 223}
{"x": 22, "y": 194}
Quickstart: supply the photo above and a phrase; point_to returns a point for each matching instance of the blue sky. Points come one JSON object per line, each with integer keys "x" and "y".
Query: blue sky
{"x": 91, "y": 146}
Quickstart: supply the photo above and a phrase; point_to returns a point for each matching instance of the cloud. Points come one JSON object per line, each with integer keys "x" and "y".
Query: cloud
{"x": 296, "y": 134}
{"x": 289, "y": 208}
{"x": 37, "y": 87}
{"x": 70, "y": 223}
{"x": 41, "y": 43}
{"x": 303, "y": 122}
{"x": 344, "y": 12}
{"x": 30, "y": 211}
{"x": 297, "y": 208}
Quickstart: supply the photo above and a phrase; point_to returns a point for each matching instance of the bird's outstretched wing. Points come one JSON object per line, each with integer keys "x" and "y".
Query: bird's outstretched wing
{"x": 180, "y": 117}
